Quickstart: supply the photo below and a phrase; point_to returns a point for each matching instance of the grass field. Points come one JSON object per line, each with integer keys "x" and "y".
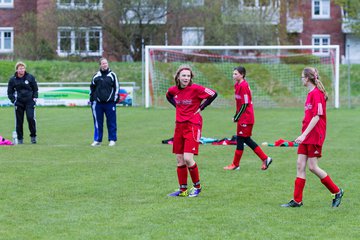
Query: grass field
{"x": 61, "y": 188}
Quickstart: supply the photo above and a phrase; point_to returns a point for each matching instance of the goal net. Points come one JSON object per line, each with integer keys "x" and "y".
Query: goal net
{"x": 273, "y": 72}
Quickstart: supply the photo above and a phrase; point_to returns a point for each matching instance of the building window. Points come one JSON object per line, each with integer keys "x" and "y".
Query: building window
{"x": 148, "y": 15}
{"x": 231, "y": 5}
{"x": 79, "y": 41}
{"x": 255, "y": 3}
{"x": 145, "y": 13}
{"x": 79, "y": 4}
{"x": 6, "y": 40}
{"x": 321, "y": 40}
{"x": 192, "y": 3}
{"x": 6, "y": 3}
{"x": 193, "y": 36}
{"x": 321, "y": 8}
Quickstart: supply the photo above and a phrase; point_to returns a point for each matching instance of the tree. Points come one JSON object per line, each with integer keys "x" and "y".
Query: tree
{"x": 351, "y": 18}
{"x": 29, "y": 44}
{"x": 132, "y": 23}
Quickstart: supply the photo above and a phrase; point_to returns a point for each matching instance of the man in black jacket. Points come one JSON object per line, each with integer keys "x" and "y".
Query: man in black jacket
{"x": 23, "y": 92}
{"x": 104, "y": 90}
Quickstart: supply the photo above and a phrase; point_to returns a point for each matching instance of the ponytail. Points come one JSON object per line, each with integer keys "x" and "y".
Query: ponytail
{"x": 321, "y": 87}
{"x": 313, "y": 75}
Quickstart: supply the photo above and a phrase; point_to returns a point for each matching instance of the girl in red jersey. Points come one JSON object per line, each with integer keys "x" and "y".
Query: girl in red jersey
{"x": 244, "y": 117}
{"x": 189, "y": 99}
{"x": 312, "y": 138}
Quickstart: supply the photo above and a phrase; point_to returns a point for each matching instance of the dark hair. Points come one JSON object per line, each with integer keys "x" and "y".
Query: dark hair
{"x": 241, "y": 70}
{"x": 183, "y": 67}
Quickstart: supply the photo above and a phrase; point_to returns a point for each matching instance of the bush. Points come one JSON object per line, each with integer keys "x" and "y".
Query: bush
{"x": 301, "y": 59}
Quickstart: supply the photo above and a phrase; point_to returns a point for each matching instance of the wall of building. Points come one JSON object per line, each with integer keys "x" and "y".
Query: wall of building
{"x": 330, "y": 26}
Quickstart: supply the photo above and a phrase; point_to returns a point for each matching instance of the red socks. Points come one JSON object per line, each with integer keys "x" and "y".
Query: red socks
{"x": 182, "y": 177}
{"x": 194, "y": 173}
{"x": 300, "y": 184}
{"x": 237, "y": 157}
{"x": 298, "y": 190}
{"x": 182, "y": 173}
{"x": 330, "y": 184}
{"x": 260, "y": 153}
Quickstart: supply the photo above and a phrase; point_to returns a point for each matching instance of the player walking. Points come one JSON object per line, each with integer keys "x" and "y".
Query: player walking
{"x": 312, "y": 138}
{"x": 189, "y": 99}
{"x": 244, "y": 117}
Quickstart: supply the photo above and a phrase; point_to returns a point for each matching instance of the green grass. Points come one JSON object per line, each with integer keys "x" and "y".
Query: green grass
{"x": 61, "y": 188}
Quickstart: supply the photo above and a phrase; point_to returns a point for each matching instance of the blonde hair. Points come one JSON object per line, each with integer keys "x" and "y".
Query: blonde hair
{"x": 101, "y": 59}
{"x": 180, "y": 68}
{"x": 18, "y": 64}
{"x": 313, "y": 75}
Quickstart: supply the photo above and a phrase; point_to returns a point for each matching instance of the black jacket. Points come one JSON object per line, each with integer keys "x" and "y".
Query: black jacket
{"x": 23, "y": 89}
{"x": 104, "y": 87}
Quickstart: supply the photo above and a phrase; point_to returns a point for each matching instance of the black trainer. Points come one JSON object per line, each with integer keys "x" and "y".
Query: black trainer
{"x": 292, "y": 203}
{"x": 33, "y": 140}
{"x": 337, "y": 198}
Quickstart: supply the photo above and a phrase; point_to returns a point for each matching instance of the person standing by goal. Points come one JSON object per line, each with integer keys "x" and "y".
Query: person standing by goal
{"x": 104, "y": 90}
{"x": 189, "y": 99}
{"x": 311, "y": 140}
{"x": 244, "y": 117}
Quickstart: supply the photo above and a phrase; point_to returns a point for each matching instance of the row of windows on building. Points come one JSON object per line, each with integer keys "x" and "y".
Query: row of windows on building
{"x": 88, "y": 41}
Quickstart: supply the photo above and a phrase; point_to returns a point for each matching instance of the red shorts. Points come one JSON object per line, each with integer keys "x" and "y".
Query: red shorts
{"x": 244, "y": 130}
{"x": 310, "y": 150}
{"x": 186, "y": 138}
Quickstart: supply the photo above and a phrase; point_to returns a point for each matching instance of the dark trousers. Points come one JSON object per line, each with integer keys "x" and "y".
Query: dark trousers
{"x": 20, "y": 110}
{"x": 98, "y": 110}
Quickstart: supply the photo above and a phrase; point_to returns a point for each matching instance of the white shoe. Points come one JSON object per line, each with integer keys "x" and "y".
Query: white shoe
{"x": 96, "y": 143}
{"x": 112, "y": 143}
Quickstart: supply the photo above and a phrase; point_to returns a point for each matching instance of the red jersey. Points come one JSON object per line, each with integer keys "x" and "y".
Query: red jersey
{"x": 315, "y": 105}
{"x": 188, "y": 101}
{"x": 243, "y": 96}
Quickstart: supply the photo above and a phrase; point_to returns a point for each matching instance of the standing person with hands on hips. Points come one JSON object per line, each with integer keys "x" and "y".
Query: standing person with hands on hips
{"x": 311, "y": 140}
{"x": 244, "y": 117}
{"x": 104, "y": 90}
{"x": 189, "y": 99}
{"x": 23, "y": 93}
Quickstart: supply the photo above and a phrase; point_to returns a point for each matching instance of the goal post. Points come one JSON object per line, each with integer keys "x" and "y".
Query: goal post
{"x": 273, "y": 72}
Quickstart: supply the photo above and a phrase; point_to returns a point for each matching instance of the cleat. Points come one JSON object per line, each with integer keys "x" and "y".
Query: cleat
{"x": 33, "y": 140}
{"x": 95, "y": 143}
{"x": 194, "y": 192}
{"x": 337, "y": 198}
{"x": 179, "y": 193}
{"x": 266, "y": 163}
{"x": 20, "y": 141}
{"x": 232, "y": 167}
{"x": 112, "y": 143}
{"x": 292, "y": 203}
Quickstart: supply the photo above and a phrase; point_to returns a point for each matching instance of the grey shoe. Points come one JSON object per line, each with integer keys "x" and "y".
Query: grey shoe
{"x": 33, "y": 140}
{"x": 20, "y": 141}
{"x": 337, "y": 198}
{"x": 292, "y": 203}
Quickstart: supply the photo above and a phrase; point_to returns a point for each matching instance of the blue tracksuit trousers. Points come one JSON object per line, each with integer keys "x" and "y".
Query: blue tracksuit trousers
{"x": 98, "y": 111}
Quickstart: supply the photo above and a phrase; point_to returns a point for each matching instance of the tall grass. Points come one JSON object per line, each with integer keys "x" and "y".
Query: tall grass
{"x": 61, "y": 188}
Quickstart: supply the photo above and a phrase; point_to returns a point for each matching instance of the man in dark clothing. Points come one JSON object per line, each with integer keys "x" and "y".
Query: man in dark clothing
{"x": 23, "y": 92}
{"x": 104, "y": 90}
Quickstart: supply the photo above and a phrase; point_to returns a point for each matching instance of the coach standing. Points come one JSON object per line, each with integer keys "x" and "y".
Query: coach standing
{"x": 23, "y": 92}
{"x": 104, "y": 90}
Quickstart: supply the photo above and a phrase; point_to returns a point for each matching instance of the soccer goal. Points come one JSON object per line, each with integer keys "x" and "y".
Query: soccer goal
{"x": 273, "y": 72}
